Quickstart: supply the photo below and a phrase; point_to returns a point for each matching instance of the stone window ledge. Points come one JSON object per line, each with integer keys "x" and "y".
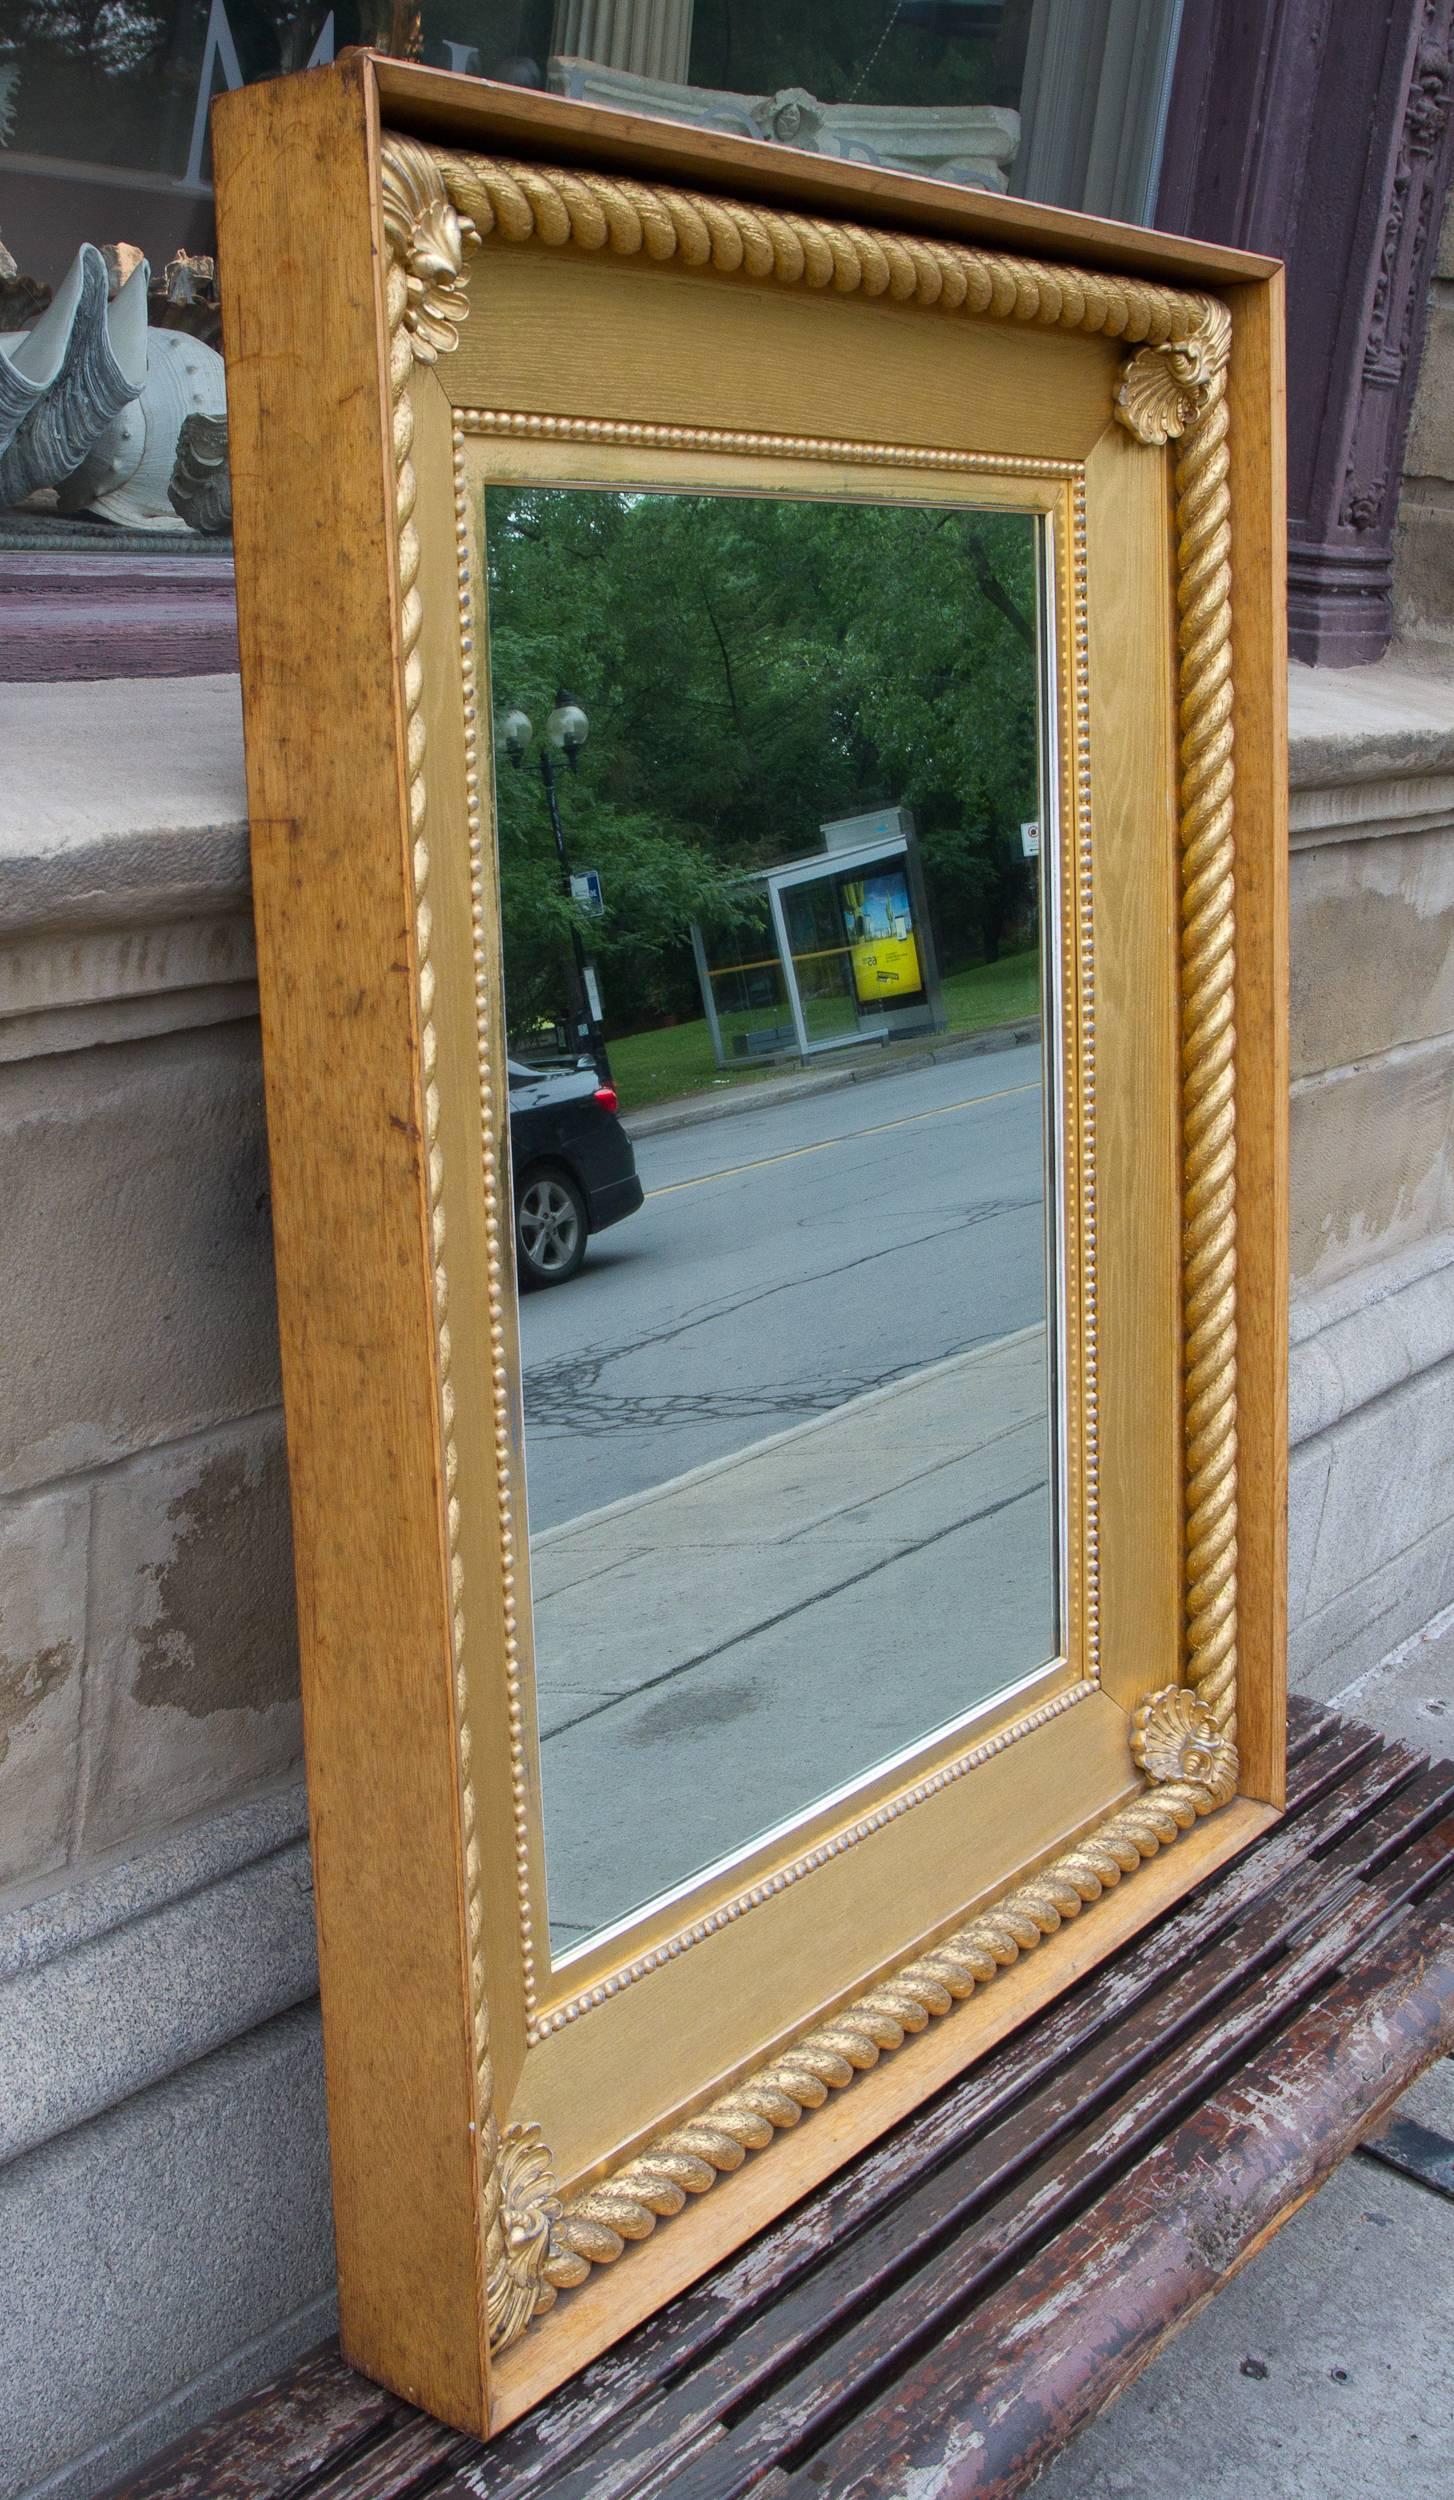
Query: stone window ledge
{"x": 1370, "y": 751}
{"x": 124, "y": 898}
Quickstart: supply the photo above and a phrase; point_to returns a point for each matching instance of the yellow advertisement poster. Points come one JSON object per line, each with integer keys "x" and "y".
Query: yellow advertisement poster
{"x": 880, "y": 931}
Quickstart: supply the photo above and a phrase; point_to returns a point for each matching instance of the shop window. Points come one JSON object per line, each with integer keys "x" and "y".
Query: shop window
{"x": 104, "y": 144}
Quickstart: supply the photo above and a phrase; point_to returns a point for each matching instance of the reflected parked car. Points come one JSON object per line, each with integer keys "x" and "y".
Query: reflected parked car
{"x": 572, "y": 1164}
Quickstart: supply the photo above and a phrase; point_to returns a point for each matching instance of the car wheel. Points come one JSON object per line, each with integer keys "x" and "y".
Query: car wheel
{"x": 550, "y": 1227}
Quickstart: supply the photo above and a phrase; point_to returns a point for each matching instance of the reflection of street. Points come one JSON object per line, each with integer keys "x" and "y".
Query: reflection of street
{"x": 828, "y": 1321}
{"x": 762, "y": 1284}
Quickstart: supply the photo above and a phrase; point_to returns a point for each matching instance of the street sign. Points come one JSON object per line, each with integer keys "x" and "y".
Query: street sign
{"x": 585, "y": 888}
{"x": 593, "y": 994}
{"x": 1030, "y": 839}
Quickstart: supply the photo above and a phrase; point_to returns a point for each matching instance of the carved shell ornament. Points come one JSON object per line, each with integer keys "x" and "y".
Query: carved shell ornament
{"x": 1175, "y": 1737}
{"x": 429, "y": 238}
{"x": 520, "y": 2241}
{"x": 436, "y": 207}
{"x": 1163, "y": 390}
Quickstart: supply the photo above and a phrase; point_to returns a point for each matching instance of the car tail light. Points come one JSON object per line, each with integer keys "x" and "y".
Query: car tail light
{"x": 605, "y": 1095}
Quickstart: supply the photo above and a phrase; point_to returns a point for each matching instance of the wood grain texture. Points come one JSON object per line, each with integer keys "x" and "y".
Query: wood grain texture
{"x": 958, "y": 2300}
{"x": 373, "y": 873}
{"x": 341, "y": 1056}
{"x": 1257, "y": 404}
{"x": 472, "y": 112}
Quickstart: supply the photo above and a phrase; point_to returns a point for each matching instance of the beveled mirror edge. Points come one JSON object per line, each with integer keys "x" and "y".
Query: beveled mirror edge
{"x": 1052, "y": 492}
{"x": 436, "y": 207}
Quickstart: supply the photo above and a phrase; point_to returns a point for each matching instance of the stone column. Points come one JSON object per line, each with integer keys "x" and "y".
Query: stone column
{"x": 1251, "y": 157}
{"x": 651, "y": 38}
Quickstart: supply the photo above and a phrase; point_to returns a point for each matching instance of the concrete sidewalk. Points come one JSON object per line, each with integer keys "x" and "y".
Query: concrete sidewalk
{"x": 1326, "y": 2370}
{"x": 891, "y": 1059}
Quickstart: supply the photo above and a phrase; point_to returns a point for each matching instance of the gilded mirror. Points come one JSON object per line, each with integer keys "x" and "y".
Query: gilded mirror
{"x": 760, "y": 686}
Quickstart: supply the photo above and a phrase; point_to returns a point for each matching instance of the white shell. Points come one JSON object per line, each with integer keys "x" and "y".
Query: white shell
{"x": 126, "y": 474}
{"x": 65, "y": 380}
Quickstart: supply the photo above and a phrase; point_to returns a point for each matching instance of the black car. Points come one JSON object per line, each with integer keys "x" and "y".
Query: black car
{"x": 572, "y": 1164}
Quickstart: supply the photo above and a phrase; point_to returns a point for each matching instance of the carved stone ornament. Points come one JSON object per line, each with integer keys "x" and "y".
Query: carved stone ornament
{"x": 1175, "y": 1737}
{"x": 1164, "y": 390}
{"x": 519, "y": 2244}
{"x": 792, "y": 117}
{"x": 436, "y": 207}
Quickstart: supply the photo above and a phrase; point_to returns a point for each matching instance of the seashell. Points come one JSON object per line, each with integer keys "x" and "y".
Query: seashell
{"x": 67, "y": 379}
{"x": 1175, "y": 1737}
{"x": 1152, "y": 402}
{"x": 126, "y": 475}
{"x": 200, "y": 487}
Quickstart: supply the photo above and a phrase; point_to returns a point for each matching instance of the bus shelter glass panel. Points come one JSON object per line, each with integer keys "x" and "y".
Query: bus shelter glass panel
{"x": 748, "y": 991}
{"x": 820, "y": 961}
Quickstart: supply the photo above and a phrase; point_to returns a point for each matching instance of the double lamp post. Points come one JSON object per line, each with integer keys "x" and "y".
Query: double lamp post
{"x": 566, "y": 732}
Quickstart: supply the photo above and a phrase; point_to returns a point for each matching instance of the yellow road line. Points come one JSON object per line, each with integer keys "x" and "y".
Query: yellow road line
{"x": 790, "y": 1154}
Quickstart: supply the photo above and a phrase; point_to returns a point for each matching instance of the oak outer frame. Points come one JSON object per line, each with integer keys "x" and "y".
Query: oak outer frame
{"x": 450, "y": 2237}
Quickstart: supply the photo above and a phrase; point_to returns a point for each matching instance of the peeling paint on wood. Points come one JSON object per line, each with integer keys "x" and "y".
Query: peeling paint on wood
{"x": 946, "y": 2313}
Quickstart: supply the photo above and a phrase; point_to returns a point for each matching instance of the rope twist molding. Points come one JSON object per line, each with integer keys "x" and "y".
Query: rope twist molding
{"x": 436, "y": 207}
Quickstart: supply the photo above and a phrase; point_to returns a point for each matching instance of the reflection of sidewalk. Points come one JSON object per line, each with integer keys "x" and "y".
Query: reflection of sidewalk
{"x": 882, "y": 1059}
{"x": 716, "y": 1654}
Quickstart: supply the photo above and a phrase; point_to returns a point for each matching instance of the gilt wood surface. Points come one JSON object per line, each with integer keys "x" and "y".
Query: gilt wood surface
{"x": 435, "y": 104}
{"x": 908, "y": 2325}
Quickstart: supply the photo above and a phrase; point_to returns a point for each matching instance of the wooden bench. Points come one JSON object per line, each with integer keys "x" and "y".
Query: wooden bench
{"x": 947, "y": 2312}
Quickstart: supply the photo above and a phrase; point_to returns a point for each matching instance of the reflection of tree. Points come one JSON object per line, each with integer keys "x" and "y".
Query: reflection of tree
{"x": 751, "y": 669}
{"x": 114, "y": 37}
{"x": 115, "y": 81}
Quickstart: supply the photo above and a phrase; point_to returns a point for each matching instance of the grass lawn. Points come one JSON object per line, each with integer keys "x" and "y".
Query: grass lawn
{"x": 657, "y": 1067}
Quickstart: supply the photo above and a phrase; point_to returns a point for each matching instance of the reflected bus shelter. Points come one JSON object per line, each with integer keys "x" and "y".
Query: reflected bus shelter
{"x": 831, "y": 950}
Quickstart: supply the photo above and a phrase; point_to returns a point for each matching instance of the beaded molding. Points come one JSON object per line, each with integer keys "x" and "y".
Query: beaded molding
{"x": 783, "y": 1878}
{"x": 514, "y": 425}
{"x": 435, "y": 207}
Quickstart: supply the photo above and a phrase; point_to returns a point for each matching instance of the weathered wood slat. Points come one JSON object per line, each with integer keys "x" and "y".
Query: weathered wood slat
{"x": 270, "y": 2445}
{"x": 1330, "y": 1792}
{"x": 1134, "y": 2142}
{"x": 981, "y": 2415}
{"x": 410, "y": 2460}
{"x": 971, "y": 2240}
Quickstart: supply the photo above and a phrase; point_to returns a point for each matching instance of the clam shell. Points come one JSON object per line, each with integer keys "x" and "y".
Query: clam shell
{"x": 200, "y": 486}
{"x": 128, "y": 470}
{"x": 1175, "y": 1737}
{"x": 66, "y": 380}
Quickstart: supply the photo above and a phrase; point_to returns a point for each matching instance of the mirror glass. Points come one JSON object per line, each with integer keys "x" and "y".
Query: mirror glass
{"x": 770, "y": 781}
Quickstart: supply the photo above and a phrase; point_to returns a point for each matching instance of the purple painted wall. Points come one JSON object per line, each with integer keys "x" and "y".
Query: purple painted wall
{"x": 1322, "y": 130}
{"x": 67, "y": 616}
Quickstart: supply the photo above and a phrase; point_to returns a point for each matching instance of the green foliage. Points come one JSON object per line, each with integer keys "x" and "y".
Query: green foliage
{"x": 751, "y": 668}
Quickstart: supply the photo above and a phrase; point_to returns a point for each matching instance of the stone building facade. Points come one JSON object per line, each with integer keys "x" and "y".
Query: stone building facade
{"x": 164, "y": 2211}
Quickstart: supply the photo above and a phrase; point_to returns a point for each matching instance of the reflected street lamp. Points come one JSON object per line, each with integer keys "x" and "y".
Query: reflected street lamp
{"x": 566, "y": 732}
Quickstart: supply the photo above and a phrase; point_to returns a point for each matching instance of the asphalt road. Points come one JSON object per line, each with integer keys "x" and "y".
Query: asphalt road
{"x": 786, "y": 1260}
